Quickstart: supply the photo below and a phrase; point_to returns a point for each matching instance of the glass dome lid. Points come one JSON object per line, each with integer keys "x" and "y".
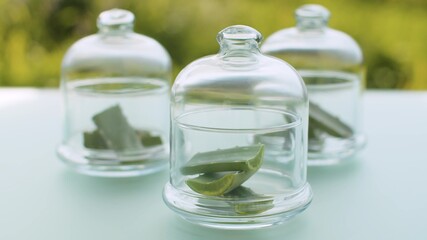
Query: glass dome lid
{"x": 116, "y": 50}
{"x": 238, "y": 137}
{"x": 331, "y": 65}
{"x": 115, "y": 86}
{"x": 312, "y": 44}
{"x": 238, "y": 75}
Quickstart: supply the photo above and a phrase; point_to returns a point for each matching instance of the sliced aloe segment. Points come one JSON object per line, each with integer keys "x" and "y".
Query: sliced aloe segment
{"x": 225, "y": 180}
{"x": 250, "y": 207}
{"x": 218, "y": 184}
{"x": 116, "y": 131}
{"x": 149, "y": 140}
{"x": 213, "y": 184}
{"x": 94, "y": 140}
{"x": 233, "y": 159}
{"x": 324, "y": 121}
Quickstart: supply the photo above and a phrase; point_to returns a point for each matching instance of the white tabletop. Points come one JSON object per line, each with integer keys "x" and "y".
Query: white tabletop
{"x": 382, "y": 195}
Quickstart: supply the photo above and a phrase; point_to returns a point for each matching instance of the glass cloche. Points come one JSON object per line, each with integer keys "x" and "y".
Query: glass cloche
{"x": 331, "y": 64}
{"x": 115, "y": 86}
{"x": 239, "y": 137}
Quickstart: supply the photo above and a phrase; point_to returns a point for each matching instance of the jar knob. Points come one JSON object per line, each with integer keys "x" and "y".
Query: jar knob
{"x": 239, "y": 33}
{"x": 115, "y": 19}
{"x": 312, "y": 16}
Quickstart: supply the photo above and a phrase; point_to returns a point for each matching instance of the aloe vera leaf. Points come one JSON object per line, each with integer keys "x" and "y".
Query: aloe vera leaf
{"x": 315, "y": 134}
{"x": 94, "y": 140}
{"x": 233, "y": 159}
{"x": 322, "y": 120}
{"x": 211, "y": 184}
{"x": 218, "y": 184}
{"x": 149, "y": 140}
{"x": 116, "y": 131}
{"x": 250, "y": 207}
{"x": 224, "y": 181}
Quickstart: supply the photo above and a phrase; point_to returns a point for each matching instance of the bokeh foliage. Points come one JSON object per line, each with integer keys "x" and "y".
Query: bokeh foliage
{"x": 34, "y": 34}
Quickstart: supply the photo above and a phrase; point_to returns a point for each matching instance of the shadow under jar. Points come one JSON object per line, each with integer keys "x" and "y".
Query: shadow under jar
{"x": 115, "y": 86}
{"x": 239, "y": 137}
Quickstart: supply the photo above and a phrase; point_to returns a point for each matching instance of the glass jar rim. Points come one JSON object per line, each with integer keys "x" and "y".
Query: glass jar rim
{"x": 296, "y": 121}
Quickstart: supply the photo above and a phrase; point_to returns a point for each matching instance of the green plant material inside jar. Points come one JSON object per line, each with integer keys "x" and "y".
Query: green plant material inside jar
{"x": 223, "y": 170}
{"x": 323, "y": 121}
{"x": 249, "y": 207}
{"x": 114, "y": 132}
{"x": 223, "y": 160}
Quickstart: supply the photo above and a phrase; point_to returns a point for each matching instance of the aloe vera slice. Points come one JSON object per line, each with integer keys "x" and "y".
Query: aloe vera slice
{"x": 245, "y": 208}
{"x": 94, "y": 140}
{"x": 116, "y": 131}
{"x": 214, "y": 184}
{"x": 225, "y": 180}
{"x": 149, "y": 140}
{"x": 322, "y": 120}
{"x": 245, "y": 158}
{"x": 218, "y": 184}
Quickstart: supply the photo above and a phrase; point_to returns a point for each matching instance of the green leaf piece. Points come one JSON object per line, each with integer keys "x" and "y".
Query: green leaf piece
{"x": 324, "y": 121}
{"x": 149, "y": 140}
{"x": 218, "y": 184}
{"x": 245, "y": 158}
{"x": 94, "y": 140}
{"x": 226, "y": 177}
{"x": 246, "y": 208}
{"x": 212, "y": 184}
{"x": 116, "y": 131}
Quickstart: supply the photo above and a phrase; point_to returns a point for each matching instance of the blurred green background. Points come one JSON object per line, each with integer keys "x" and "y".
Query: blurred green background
{"x": 34, "y": 34}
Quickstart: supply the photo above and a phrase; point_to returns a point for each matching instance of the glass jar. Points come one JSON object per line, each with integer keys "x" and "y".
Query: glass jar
{"x": 115, "y": 85}
{"x": 331, "y": 64}
{"x": 239, "y": 137}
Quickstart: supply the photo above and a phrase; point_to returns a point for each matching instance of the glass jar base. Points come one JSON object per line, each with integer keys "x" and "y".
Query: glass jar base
{"x": 81, "y": 164}
{"x": 337, "y": 151}
{"x": 209, "y": 212}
